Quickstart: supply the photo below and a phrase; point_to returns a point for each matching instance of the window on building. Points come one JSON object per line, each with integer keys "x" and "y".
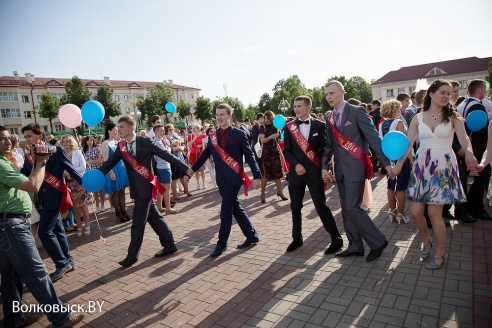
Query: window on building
{"x": 463, "y": 85}
{"x": 25, "y": 99}
{"x": 11, "y": 113}
{"x": 435, "y": 71}
{"x": 45, "y": 128}
{"x": 190, "y": 96}
{"x": 138, "y": 95}
{"x": 390, "y": 92}
{"x": 27, "y": 114}
{"x": 401, "y": 90}
{"x": 57, "y": 95}
{"x": 9, "y": 96}
{"x": 13, "y": 130}
{"x": 59, "y": 128}
{"x": 411, "y": 89}
{"x": 180, "y": 97}
{"x": 125, "y": 97}
{"x": 127, "y": 110}
{"x": 39, "y": 98}
{"x": 116, "y": 97}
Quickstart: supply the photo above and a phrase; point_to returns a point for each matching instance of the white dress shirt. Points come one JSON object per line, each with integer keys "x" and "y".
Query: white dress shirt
{"x": 305, "y": 128}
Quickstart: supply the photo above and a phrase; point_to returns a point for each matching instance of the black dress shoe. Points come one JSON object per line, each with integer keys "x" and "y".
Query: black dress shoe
{"x": 333, "y": 248}
{"x": 166, "y": 251}
{"x": 375, "y": 253}
{"x": 218, "y": 251}
{"x": 32, "y": 317}
{"x": 483, "y": 216}
{"x": 466, "y": 218}
{"x": 347, "y": 253}
{"x": 127, "y": 262}
{"x": 294, "y": 245}
{"x": 248, "y": 242}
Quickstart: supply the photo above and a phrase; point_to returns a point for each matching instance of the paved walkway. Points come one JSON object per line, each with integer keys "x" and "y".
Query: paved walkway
{"x": 265, "y": 287}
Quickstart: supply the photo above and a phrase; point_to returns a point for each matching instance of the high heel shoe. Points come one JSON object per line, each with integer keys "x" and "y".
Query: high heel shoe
{"x": 262, "y": 197}
{"x": 188, "y": 194}
{"x": 282, "y": 197}
{"x": 432, "y": 265}
{"x": 176, "y": 197}
{"x": 400, "y": 217}
{"x": 424, "y": 254}
{"x": 392, "y": 217}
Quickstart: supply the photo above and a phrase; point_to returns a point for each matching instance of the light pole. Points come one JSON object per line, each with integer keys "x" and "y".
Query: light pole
{"x": 284, "y": 107}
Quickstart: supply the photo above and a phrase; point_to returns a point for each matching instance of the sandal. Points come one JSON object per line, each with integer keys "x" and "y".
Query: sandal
{"x": 171, "y": 211}
{"x": 424, "y": 254}
{"x": 188, "y": 194}
{"x": 176, "y": 197}
{"x": 400, "y": 217}
{"x": 432, "y": 265}
{"x": 392, "y": 216}
{"x": 79, "y": 232}
{"x": 87, "y": 231}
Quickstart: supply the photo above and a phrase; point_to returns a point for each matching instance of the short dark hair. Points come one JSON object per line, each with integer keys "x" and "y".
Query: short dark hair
{"x": 412, "y": 95}
{"x": 307, "y": 100}
{"x": 259, "y": 115}
{"x": 420, "y": 95}
{"x": 473, "y": 85}
{"x": 376, "y": 102}
{"x": 227, "y": 107}
{"x": 402, "y": 96}
{"x": 154, "y": 119}
{"x": 128, "y": 120}
{"x": 354, "y": 101}
{"x": 157, "y": 126}
{"x": 455, "y": 84}
{"x": 3, "y": 128}
{"x": 34, "y": 127}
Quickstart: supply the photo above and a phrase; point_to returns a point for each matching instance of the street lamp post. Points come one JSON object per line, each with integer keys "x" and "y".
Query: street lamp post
{"x": 284, "y": 106}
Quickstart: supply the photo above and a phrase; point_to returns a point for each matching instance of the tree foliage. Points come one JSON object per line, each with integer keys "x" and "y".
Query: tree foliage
{"x": 156, "y": 99}
{"x": 250, "y": 112}
{"x": 355, "y": 87}
{"x": 183, "y": 109}
{"x": 48, "y": 108}
{"x": 265, "y": 103}
{"x": 287, "y": 89}
{"x": 237, "y": 108}
{"x": 203, "y": 109}
{"x": 77, "y": 94}
{"x": 111, "y": 108}
{"x": 489, "y": 74}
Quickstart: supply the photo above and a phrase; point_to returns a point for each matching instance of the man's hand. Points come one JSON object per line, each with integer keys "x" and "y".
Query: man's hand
{"x": 256, "y": 183}
{"x": 327, "y": 176}
{"x": 461, "y": 152}
{"x": 300, "y": 170}
{"x": 189, "y": 174}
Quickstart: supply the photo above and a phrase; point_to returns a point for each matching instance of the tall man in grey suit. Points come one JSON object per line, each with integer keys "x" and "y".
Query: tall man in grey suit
{"x": 142, "y": 150}
{"x": 349, "y": 134}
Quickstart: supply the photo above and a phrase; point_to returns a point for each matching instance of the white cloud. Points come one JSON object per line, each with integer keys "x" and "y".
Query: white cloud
{"x": 249, "y": 49}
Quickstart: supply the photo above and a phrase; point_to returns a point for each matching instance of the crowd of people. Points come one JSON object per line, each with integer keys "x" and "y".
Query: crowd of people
{"x": 342, "y": 146}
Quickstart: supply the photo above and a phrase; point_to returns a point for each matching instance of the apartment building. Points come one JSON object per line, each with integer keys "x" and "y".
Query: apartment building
{"x": 20, "y": 96}
{"x": 404, "y": 80}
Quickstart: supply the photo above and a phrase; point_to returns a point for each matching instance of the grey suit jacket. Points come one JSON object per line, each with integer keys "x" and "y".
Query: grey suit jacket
{"x": 357, "y": 126}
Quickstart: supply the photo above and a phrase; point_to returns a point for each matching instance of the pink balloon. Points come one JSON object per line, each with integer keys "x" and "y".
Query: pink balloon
{"x": 70, "y": 115}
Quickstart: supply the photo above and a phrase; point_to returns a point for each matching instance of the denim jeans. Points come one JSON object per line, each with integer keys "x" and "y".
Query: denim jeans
{"x": 52, "y": 234}
{"x": 21, "y": 263}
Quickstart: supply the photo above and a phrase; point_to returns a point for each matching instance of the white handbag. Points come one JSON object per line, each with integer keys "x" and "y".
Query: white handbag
{"x": 258, "y": 148}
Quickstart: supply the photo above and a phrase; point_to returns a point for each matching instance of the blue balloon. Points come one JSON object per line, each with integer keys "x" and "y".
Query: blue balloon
{"x": 394, "y": 144}
{"x": 92, "y": 112}
{"x": 476, "y": 120}
{"x": 279, "y": 121}
{"x": 170, "y": 107}
{"x": 93, "y": 180}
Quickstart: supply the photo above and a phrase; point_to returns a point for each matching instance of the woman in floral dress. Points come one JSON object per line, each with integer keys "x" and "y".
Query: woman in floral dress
{"x": 435, "y": 179}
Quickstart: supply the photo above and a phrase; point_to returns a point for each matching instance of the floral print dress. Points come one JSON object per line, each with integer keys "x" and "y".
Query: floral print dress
{"x": 435, "y": 178}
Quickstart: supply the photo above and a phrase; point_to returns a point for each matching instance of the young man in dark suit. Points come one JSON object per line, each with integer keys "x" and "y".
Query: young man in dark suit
{"x": 51, "y": 231}
{"x": 350, "y": 132}
{"x": 141, "y": 149}
{"x": 228, "y": 145}
{"x": 306, "y": 171}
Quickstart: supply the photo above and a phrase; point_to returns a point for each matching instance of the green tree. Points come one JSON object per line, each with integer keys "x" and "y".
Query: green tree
{"x": 287, "y": 89}
{"x": 250, "y": 112}
{"x": 364, "y": 91}
{"x": 156, "y": 99}
{"x": 488, "y": 78}
{"x": 49, "y": 107}
{"x": 183, "y": 110}
{"x": 237, "y": 108}
{"x": 265, "y": 103}
{"x": 203, "y": 109}
{"x": 111, "y": 108}
{"x": 76, "y": 94}
{"x": 349, "y": 86}
{"x": 320, "y": 105}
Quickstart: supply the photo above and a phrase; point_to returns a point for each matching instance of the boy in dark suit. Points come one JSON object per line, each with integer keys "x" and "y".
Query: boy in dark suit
{"x": 306, "y": 171}
{"x": 137, "y": 152}
{"x": 228, "y": 145}
{"x": 53, "y": 196}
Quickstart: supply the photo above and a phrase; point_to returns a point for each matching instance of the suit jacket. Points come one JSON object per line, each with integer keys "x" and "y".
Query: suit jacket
{"x": 478, "y": 138}
{"x": 376, "y": 116}
{"x": 57, "y": 164}
{"x": 237, "y": 146}
{"x": 145, "y": 149}
{"x": 294, "y": 154}
{"x": 363, "y": 133}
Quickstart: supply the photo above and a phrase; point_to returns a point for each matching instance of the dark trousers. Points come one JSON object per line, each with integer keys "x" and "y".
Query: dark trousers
{"x": 146, "y": 210}
{"x": 231, "y": 207}
{"x": 21, "y": 263}
{"x": 462, "y": 208}
{"x": 477, "y": 190}
{"x": 52, "y": 234}
{"x": 297, "y": 186}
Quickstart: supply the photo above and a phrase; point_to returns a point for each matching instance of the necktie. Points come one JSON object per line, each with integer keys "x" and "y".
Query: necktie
{"x": 130, "y": 148}
{"x": 338, "y": 119}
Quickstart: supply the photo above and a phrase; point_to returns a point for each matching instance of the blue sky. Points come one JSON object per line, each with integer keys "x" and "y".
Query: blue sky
{"x": 247, "y": 45}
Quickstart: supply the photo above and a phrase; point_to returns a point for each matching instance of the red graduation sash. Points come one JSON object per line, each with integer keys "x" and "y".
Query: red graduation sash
{"x": 351, "y": 147}
{"x": 304, "y": 145}
{"x": 56, "y": 183}
{"x": 142, "y": 170}
{"x": 231, "y": 162}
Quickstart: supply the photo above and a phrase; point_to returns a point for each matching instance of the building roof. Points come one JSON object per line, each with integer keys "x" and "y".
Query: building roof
{"x": 449, "y": 67}
{"x": 60, "y": 82}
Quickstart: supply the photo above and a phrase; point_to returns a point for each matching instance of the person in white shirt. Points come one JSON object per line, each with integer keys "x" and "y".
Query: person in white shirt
{"x": 154, "y": 120}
